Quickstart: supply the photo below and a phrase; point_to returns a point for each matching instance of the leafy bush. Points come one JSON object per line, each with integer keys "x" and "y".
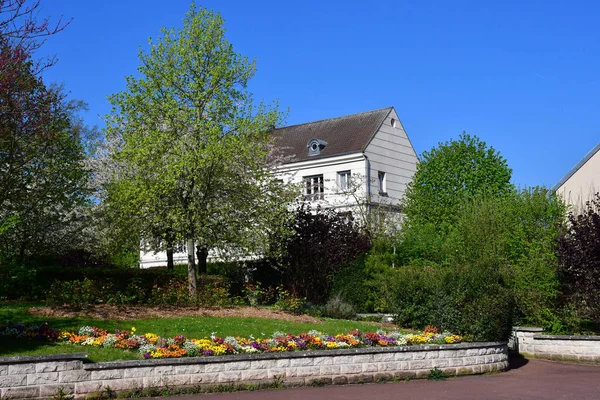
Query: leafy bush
{"x": 579, "y": 254}
{"x": 288, "y": 302}
{"x": 353, "y": 284}
{"x": 470, "y": 299}
{"x": 322, "y": 242}
{"x": 337, "y": 307}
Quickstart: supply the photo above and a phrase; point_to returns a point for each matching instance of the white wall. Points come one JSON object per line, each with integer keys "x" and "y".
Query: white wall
{"x": 582, "y": 185}
{"x": 390, "y": 151}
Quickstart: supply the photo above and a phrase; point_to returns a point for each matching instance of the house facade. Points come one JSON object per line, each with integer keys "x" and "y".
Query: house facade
{"x": 341, "y": 163}
{"x": 582, "y": 181}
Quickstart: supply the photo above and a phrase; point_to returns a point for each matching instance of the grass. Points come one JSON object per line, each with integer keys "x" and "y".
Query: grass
{"x": 195, "y": 327}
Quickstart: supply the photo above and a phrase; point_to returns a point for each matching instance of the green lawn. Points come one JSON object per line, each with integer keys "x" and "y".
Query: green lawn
{"x": 195, "y": 327}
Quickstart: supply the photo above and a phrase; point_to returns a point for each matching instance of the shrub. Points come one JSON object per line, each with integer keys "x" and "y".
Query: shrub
{"x": 579, "y": 254}
{"x": 322, "y": 242}
{"x": 337, "y": 307}
{"x": 353, "y": 284}
{"x": 288, "y": 302}
{"x": 470, "y": 300}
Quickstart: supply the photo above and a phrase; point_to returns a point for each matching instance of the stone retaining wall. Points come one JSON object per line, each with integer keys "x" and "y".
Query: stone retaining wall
{"x": 41, "y": 377}
{"x": 530, "y": 342}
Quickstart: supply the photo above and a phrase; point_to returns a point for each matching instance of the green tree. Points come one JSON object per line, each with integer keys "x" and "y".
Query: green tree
{"x": 192, "y": 147}
{"x": 43, "y": 181}
{"x": 449, "y": 174}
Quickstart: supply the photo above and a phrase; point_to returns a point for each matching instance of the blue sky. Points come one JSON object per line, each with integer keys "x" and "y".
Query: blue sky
{"x": 522, "y": 75}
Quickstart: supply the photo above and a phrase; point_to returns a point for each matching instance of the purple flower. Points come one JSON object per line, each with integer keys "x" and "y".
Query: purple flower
{"x": 147, "y": 354}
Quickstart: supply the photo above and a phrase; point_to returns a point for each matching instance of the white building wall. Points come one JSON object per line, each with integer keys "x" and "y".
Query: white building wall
{"x": 583, "y": 184}
{"x": 390, "y": 151}
{"x": 329, "y": 167}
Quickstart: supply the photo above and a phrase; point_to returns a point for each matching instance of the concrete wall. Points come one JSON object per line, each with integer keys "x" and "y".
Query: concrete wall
{"x": 41, "y": 377}
{"x": 530, "y": 342}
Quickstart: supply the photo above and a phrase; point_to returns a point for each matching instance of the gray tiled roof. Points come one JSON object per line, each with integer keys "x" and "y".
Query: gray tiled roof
{"x": 344, "y": 135}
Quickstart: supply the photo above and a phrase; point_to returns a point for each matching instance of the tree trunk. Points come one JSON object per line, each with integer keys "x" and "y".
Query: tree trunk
{"x": 191, "y": 267}
{"x": 170, "y": 264}
{"x": 202, "y": 254}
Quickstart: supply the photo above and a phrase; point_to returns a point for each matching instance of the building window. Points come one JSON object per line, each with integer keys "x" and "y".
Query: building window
{"x": 314, "y": 187}
{"x": 382, "y": 188}
{"x": 343, "y": 180}
{"x": 393, "y": 123}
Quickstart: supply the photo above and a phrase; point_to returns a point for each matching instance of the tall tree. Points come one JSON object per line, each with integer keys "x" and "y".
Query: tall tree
{"x": 449, "y": 174}
{"x": 193, "y": 144}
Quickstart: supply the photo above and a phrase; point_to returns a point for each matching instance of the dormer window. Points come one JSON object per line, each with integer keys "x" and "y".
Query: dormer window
{"x": 315, "y": 146}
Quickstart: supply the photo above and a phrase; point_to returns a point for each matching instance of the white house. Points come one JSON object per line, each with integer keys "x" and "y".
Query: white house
{"x": 364, "y": 158}
{"x": 582, "y": 181}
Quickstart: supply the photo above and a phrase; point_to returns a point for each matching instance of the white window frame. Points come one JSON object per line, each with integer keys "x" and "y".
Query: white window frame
{"x": 344, "y": 178}
{"x": 382, "y": 184}
{"x": 314, "y": 187}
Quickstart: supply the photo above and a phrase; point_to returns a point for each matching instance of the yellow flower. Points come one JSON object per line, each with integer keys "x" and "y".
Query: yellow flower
{"x": 332, "y": 345}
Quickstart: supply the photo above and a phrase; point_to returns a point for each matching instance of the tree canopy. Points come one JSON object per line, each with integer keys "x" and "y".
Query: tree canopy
{"x": 449, "y": 174}
{"x": 192, "y": 146}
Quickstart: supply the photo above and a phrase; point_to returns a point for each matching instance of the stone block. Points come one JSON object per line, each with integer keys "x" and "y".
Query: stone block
{"x": 469, "y": 361}
{"x": 164, "y": 370}
{"x": 464, "y": 371}
{"x": 21, "y": 369}
{"x": 388, "y": 366}
{"x": 331, "y": 369}
{"x": 263, "y": 364}
{"x": 101, "y": 375}
{"x": 88, "y": 387}
{"x": 339, "y": 380}
{"x": 178, "y": 380}
{"x": 237, "y": 366}
{"x": 440, "y": 362}
{"x": 3, "y": 370}
{"x": 76, "y": 375}
{"x": 383, "y": 376}
{"x": 276, "y": 372}
{"x": 255, "y": 374}
{"x": 138, "y": 372}
{"x": 124, "y": 384}
{"x": 214, "y": 367}
{"x": 404, "y": 374}
{"x": 343, "y": 360}
{"x": 230, "y": 376}
{"x": 282, "y": 363}
{"x": 381, "y": 357}
{"x": 318, "y": 381}
{"x": 419, "y": 355}
{"x": 457, "y": 362}
{"x": 20, "y": 392}
{"x": 421, "y": 364}
{"x": 404, "y": 356}
{"x": 57, "y": 366}
{"x": 189, "y": 369}
{"x": 308, "y": 371}
{"x": 301, "y": 362}
{"x": 422, "y": 373}
{"x": 449, "y": 371}
{"x": 360, "y": 378}
{"x": 154, "y": 381}
{"x": 351, "y": 368}
{"x": 370, "y": 367}
{"x": 42, "y": 378}
{"x": 323, "y": 361}
{"x": 13, "y": 380}
{"x": 51, "y": 390}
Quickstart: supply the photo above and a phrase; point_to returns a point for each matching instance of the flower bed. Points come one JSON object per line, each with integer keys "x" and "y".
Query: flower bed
{"x": 150, "y": 345}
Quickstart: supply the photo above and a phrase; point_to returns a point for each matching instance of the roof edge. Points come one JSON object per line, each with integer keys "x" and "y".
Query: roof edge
{"x": 577, "y": 167}
{"x": 364, "y": 148}
{"x": 334, "y": 118}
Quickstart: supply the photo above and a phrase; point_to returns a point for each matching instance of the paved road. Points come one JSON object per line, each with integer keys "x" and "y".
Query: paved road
{"x": 533, "y": 380}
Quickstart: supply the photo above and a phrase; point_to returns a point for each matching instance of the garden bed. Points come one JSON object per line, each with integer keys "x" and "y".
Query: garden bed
{"x": 34, "y": 377}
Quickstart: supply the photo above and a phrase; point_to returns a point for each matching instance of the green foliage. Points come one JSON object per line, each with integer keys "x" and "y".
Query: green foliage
{"x": 470, "y": 300}
{"x": 518, "y": 233}
{"x": 43, "y": 183}
{"x": 192, "y": 145}
{"x": 288, "y": 302}
{"x": 352, "y": 284}
{"x": 449, "y": 174}
{"x": 337, "y": 307}
{"x": 437, "y": 374}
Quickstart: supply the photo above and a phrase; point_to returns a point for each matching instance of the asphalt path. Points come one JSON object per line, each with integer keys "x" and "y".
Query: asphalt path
{"x": 528, "y": 379}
